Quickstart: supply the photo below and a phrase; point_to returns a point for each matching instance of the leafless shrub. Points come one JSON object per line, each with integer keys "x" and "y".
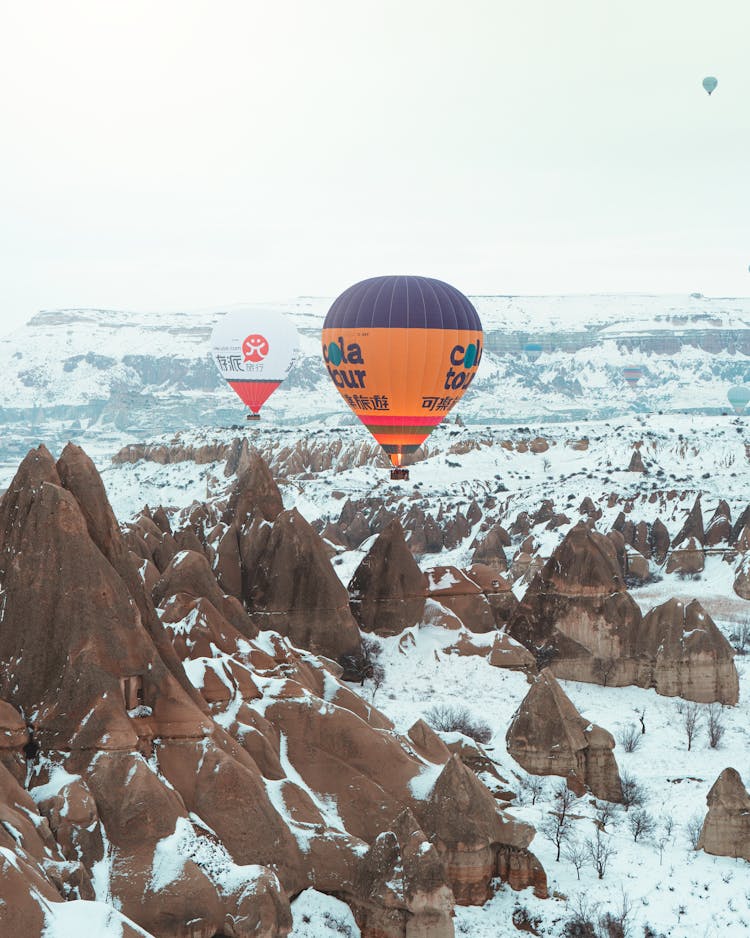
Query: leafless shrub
{"x": 531, "y": 787}
{"x": 629, "y": 738}
{"x": 544, "y": 655}
{"x": 364, "y": 665}
{"x": 449, "y": 718}
{"x": 661, "y": 843}
{"x": 740, "y": 639}
{"x": 690, "y": 719}
{"x": 603, "y": 668}
{"x": 668, "y": 824}
{"x": 715, "y": 724}
{"x": 615, "y": 923}
{"x": 557, "y": 826}
{"x": 605, "y": 812}
{"x": 600, "y": 852}
{"x": 641, "y": 824}
{"x": 576, "y": 853}
{"x": 633, "y": 794}
{"x": 581, "y": 923}
{"x": 524, "y": 920}
{"x": 693, "y": 829}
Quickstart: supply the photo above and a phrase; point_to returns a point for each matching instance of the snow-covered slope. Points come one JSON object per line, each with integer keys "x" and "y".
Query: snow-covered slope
{"x": 103, "y": 376}
{"x": 660, "y": 880}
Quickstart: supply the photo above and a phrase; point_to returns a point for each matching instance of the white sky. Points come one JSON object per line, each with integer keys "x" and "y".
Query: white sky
{"x": 167, "y": 154}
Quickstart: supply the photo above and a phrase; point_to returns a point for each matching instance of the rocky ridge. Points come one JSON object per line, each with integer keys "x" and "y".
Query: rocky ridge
{"x": 211, "y": 769}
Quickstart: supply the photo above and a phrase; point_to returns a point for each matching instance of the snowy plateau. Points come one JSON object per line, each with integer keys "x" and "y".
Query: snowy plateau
{"x": 535, "y": 448}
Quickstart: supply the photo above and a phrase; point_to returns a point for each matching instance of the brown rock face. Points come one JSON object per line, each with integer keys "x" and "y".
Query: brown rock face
{"x": 190, "y": 574}
{"x": 687, "y": 559}
{"x": 476, "y": 851}
{"x": 418, "y": 901}
{"x": 457, "y": 591}
{"x": 13, "y": 737}
{"x": 254, "y": 494}
{"x": 79, "y": 476}
{"x": 62, "y": 592}
{"x": 264, "y": 759}
{"x": 742, "y": 578}
{"x": 726, "y": 830}
{"x": 490, "y": 550}
{"x": 97, "y": 692}
{"x": 739, "y": 525}
{"x": 636, "y": 462}
{"x": 636, "y": 566}
{"x": 577, "y": 614}
{"x": 659, "y": 540}
{"x": 294, "y": 590}
{"x": 508, "y": 653}
{"x": 388, "y": 590}
{"x": 498, "y": 591}
{"x": 683, "y": 654}
{"x": 719, "y": 528}
{"x": 547, "y": 736}
{"x": 693, "y": 526}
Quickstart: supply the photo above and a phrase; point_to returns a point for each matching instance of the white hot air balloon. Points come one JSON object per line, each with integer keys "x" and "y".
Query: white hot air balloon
{"x": 254, "y": 350}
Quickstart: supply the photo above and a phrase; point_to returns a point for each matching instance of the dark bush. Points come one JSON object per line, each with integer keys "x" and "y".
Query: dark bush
{"x": 448, "y": 718}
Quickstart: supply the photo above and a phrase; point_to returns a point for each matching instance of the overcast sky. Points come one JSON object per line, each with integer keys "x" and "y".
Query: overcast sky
{"x": 163, "y": 155}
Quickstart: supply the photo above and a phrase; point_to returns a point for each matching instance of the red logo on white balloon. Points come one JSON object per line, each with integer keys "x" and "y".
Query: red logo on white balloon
{"x": 255, "y": 348}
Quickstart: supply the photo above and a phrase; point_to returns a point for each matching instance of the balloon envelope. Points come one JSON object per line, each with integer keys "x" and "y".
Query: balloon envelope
{"x": 632, "y": 374}
{"x": 739, "y": 397}
{"x": 710, "y": 83}
{"x": 402, "y": 351}
{"x": 532, "y": 350}
{"x": 253, "y": 350}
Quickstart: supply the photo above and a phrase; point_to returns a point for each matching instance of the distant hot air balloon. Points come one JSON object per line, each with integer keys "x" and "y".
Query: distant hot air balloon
{"x": 710, "y": 83}
{"x": 632, "y": 374}
{"x": 532, "y": 350}
{"x": 739, "y": 397}
{"x": 253, "y": 350}
{"x": 402, "y": 351}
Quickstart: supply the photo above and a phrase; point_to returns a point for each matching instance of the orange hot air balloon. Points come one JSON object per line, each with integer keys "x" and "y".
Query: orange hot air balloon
{"x": 402, "y": 351}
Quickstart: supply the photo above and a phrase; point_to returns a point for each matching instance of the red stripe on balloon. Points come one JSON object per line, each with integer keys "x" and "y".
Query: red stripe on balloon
{"x": 394, "y": 421}
{"x": 254, "y": 393}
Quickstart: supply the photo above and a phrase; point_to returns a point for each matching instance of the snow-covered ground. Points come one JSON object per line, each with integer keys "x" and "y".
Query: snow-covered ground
{"x": 661, "y": 879}
{"x": 678, "y": 891}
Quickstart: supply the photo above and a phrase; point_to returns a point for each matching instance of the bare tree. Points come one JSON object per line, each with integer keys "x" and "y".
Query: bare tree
{"x": 576, "y": 853}
{"x": 605, "y": 811}
{"x": 668, "y": 824}
{"x": 661, "y": 843}
{"x": 581, "y": 923}
{"x": 629, "y": 738}
{"x": 690, "y": 718}
{"x": 641, "y": 824}
{"x": 603, "y": 668}
{"x": 556, "y": 826}
{"x": 615, "y": 923}
{"x": 600, "y": 852}
{"x": 740, "y": 638}
{"x": 633, "y": 794}
{"x": 536, "y": 786}
{"x": 715, "y": 724}
{"x": 693, "y": 829}
{"x": 378, "y": 679}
